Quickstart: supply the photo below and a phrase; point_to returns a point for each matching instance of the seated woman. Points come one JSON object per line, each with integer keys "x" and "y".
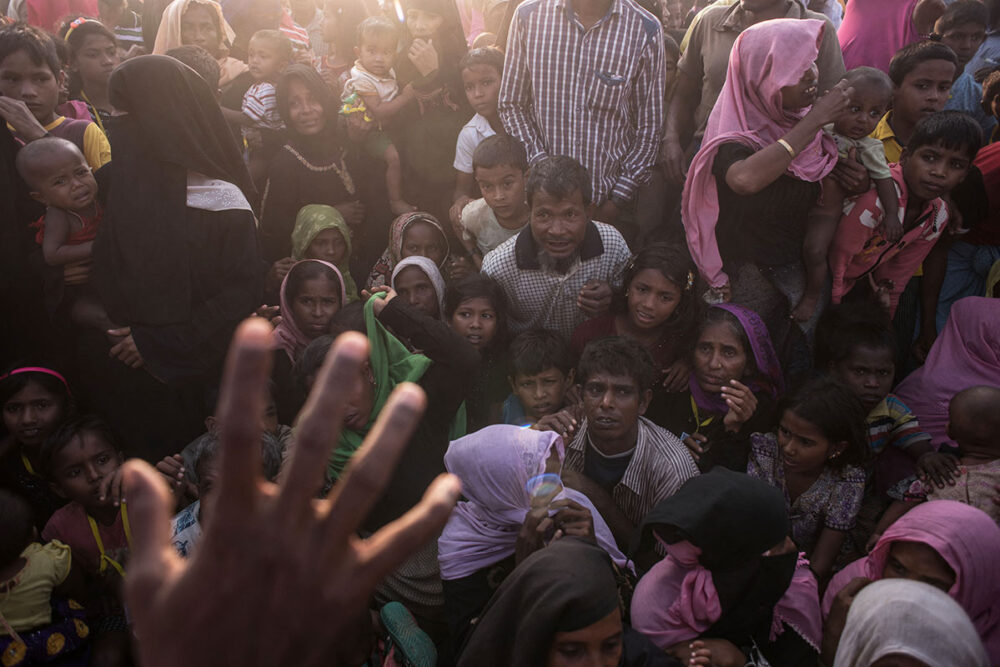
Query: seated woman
{"x": 656, "y": 306}
{"x": 896, "y": 619}
{"x": 321, "y": 233}
{"x": 311, "y": 294}
{"x": 418, "y": 281}
{"x": 945, "y": 543}
{"x": 731, "y": 392}
{"x": 411, "y": 234}
{"x": 559, "y": 607}
{"x": 502, "y": 521}
{"x": 731, "y": 576}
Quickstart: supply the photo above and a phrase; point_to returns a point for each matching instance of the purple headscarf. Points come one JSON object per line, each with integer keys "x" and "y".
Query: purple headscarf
{"x": 495, "y": 465}
{"x": 768, "y": 379}
{"x": 287, "y": 335}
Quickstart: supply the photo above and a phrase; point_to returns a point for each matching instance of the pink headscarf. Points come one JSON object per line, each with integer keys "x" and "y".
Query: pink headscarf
{"x": 766, "y": 57}
{"x": 968, "y": 540}
{"x": 965, "y": 354}
{"x": 287, "y": 336}
{"x": 494, "y": 465}
{"x": 694, "y": 607}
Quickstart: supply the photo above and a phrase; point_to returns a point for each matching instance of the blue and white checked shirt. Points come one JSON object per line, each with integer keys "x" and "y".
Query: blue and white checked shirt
{"x": 595, "y": 95}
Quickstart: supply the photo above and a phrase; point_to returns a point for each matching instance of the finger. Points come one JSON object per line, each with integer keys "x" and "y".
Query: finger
{"x": 373, "y": 465}
{"x": 385, "y": 550}
{"x": 321, "y": 421}
{"x": 241, "y": 402}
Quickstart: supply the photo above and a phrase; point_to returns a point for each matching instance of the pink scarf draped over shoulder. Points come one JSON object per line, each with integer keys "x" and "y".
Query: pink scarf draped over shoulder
{"x": 766, "y": 57}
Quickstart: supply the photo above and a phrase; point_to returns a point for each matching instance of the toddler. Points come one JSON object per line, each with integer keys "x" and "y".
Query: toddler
{"x": 269, "y": 53}
{"x": 372, "y": 99}
{"x": 870, "y": 98}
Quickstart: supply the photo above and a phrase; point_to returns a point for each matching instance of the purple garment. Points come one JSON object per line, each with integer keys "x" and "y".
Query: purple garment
{"x": 494, "y": 465}
{"x": 873, "y": 30}
{"x": 768, "y": 379}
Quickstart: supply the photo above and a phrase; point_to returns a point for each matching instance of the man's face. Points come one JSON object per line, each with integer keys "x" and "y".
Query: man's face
{"x": 558, "y": 225}
{"x": 613, "y": 404}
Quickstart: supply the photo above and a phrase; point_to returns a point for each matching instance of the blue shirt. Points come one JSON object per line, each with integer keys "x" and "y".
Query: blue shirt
{"x": 966, "y": 95}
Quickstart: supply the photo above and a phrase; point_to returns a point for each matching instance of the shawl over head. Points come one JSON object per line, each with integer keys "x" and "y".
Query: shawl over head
{"x": 309, "y": 223}
{"x": 430, "y": 269}
{"x": 287, "y": 335}
{"x": 381, "y": 273}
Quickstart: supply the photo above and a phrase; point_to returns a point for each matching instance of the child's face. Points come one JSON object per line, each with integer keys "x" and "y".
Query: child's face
{"x": 264, "y": 60}
{"x": 934, "y": 171}
{"x": 503, "y": 189}
{"x": 476, "y": 321}
{"x": 868, "y": 371}
{"x": 79, "y": 467}
{"x": 803, "y": 93}
{"x": 558, "y": 224}
{"x": 991, "y": 106}
{"x": 329, "y": 246}
{"x": 924, "y": 90}
{"x": 96, "y": 59}
{"x": 416, "y": 289}
{"x": 719, "y": 357}
{"x": 315, "y": 305}
{"x": 482, "y": 88}
{"x": 305, "y": 113}
{"x": 652, "y": 299}
{"x": 377, "y": 54}
{"x": 541, "y": 394}
{"x": 804, "y": 448}
{"x": 424, "y": 239}
{"x": 32, "y": 414}
{"x": 198, "y": 28}
{"x": 64, "y": 180}
{"x": 868, "y": 104}
{"x": 32, "y": 83}
{"x": 423, "y": 25}
{"x": 965, "y": 40}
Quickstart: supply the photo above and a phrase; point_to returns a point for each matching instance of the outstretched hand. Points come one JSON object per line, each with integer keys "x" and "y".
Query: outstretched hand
{"x": 280, "y": 578}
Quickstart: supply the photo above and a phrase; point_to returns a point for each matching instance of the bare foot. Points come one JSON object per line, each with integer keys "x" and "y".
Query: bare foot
{"x": 805, "y": 309}
{"x": 399, "y": 207}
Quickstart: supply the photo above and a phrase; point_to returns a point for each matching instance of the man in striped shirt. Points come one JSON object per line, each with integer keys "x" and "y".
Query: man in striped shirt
{"x": 585, "y": 79}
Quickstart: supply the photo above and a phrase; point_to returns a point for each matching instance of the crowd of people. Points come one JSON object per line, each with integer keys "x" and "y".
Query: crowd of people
{"x": 485, "y": 332}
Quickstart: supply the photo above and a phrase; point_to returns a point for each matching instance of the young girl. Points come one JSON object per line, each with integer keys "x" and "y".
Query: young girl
{"x": 476, "y": 309}
{"x": 322, "y": 233}
{"x": 814, "y": 459}
{"x": 35, "y": 401}
{"x": 93, "y": 53}
{"x": 411, "y": 234}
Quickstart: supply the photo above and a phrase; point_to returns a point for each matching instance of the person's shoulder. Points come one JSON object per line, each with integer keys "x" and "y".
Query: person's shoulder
{"x": 896, "y": 407}
{"x": 500, "y": 258}
{"x": 659, "y": 437}
{"x": 764, "y": 444}
{"x": 820, "y": 16}
{"x": 610, "y": 236}
{"x": 63, "y": 521}
{"x": 650, "y": 24}
{"x": 526, "y": 9}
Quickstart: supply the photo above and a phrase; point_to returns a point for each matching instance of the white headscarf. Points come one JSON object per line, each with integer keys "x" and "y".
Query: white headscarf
{"x": 430, "y": 269}
{"x": 903, "y": 617}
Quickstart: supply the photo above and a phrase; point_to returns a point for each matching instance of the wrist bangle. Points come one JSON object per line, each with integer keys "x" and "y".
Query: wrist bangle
{"x": 788, "y": 147}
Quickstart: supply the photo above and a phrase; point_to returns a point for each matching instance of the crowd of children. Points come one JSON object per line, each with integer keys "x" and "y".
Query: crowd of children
{"x": 706, "y": 322}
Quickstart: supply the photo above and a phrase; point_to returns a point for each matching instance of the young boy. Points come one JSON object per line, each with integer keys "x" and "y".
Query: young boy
{"x": 31, "y": 77}
{"x": 990, "y": 102}
{"x": 125, "y": 24}
{"x": 372, "y": 99}
{"x": 869, "y": 102}
{"x": 922, "y": 74}
{"x": 936, "y": 159}
{"x": 962, "y": 28}
{"x": 481, "y": 70}
{"x": 541, "y": 373}
{"x": 499, "y": 164}
{"x": 270, "y": 52}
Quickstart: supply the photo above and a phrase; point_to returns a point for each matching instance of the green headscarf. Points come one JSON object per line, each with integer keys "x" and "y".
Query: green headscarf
{"x": 392, "y": 363}
{"x": 312, "y": 220}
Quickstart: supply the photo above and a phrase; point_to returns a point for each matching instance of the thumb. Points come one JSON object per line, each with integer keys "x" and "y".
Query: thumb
{"x": 123, "y": 331}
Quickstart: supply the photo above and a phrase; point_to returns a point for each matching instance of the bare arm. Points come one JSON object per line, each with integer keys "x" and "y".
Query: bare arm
{"x": 54, "y": 247}
{"x": 680, "y": 121}
{"x": 825, "y": 553}
{"x": 386, "y": 111}
{"x": 621, "y": 527}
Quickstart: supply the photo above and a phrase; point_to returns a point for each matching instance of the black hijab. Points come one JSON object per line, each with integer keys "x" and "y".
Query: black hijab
{"x": 566, "y": 586}
{"x": 733, "y": 518}
{"x": 172, "y": 125}
{"x": 328, "y": 141}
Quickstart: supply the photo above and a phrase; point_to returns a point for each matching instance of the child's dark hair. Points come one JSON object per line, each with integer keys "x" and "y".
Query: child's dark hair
{"x": 617, "y": 355}
{"x": 559, "y": 176}
{"x": 312, "y": 359}
{"x": 500, "y": 151}
{"x": 674, "y": 263}
{"x": 962, "y": 12}
{"x": 308, "y": 270}
{"x": 913, "y": 55}
{"x": 479, "y": 286}
{"x": 16, "y": 378}
{"x": 836, "y": 411}
{"x": 16, "y": 526}
{"x": 713, "y": 316}
{"x": 954, "y": 130}
{"x": 201, "y": 61}
{"x": 537, "y": 350}
{"x": 38, "y": 44}
{"x": 846, "y": 326}
{"x": 670, "y": 47}
{"x": 74, "y": 31}
{"x": 66, "y": 433}
{"x": 270, "y": 456}
{"x": 490, "y": 56}
{"x": 868, "y": 76}
{"x": 375, "y": 27}
{"x": 991, "y": 90}
{"x": 278, "y": 40}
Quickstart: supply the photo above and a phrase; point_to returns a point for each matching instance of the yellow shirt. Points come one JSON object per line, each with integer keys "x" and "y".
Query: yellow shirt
{"x": 883, "y": 132}
{"x": 96, "y": 148}
{"x": 25, "y": 597}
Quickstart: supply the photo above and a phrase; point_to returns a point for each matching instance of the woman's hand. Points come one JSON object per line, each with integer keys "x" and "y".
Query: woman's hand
{"x": 125, "y": 349}
{"x": 424, "y": 56}
{"x": 676, "y": 375}
{"x": 573, "y": 519}
{"x": 742, "y": 404}
{"x": 353, "y": 212}
{"x": 831, "y": 106}
{"x": 533, "y": 534}
{"x": 277, "y": 273}
{"x": 387, "y": 293}
{"x": 262, "y": 538}
{"x": 696, "y": 444}
{"x": 174, "y": 474}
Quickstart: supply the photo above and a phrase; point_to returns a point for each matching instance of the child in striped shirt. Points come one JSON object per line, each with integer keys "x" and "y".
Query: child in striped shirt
{"x": 270, "y": 52}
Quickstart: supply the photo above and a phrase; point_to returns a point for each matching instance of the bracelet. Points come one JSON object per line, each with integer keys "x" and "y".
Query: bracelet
{"x": 788, "y": 147}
